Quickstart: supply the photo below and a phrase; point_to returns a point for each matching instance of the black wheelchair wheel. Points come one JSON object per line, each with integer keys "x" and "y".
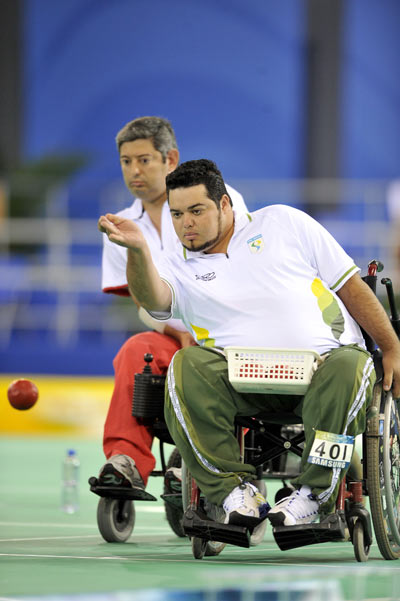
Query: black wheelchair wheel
{"x": 361, "y": 549}
{"x": 383, "y": 472}
{"x": 115, "y": 519}
{"x": 283, "y": 492}
{"x": 174, "y": 514}
{"x": 200, "y": 547}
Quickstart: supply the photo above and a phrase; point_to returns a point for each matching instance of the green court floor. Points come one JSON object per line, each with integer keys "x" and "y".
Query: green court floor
{"x": 45, "y": 554}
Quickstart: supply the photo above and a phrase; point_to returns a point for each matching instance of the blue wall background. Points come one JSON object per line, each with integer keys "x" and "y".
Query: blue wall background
{"x": 370, "y": 97}
{"x": 228, "y": 74}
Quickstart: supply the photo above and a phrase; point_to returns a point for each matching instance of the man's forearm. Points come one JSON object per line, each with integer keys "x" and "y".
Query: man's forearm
{"x": 145, "y": 283}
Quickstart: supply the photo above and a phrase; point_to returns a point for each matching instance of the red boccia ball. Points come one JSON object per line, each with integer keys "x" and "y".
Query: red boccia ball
{"x": 22, "y": 394}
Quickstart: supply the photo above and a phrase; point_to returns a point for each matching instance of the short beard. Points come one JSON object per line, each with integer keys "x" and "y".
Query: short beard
{"x": 209, "y": 243}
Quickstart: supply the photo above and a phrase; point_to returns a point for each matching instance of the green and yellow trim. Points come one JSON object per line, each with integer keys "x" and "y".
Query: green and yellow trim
{"x": 340, "y": 280}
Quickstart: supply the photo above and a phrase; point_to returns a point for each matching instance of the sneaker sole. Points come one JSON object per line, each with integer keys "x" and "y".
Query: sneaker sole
{"x": 238, "y": 519}
{"x": 277, "y": 519}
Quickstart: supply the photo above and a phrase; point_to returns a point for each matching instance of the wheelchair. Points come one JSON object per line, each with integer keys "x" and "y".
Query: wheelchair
{"x": 116, "y": 508}
{"x": 376, "y": 475}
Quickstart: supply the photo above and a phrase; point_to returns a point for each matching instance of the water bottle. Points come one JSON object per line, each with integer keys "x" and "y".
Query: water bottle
{"x": 70, "y": 482}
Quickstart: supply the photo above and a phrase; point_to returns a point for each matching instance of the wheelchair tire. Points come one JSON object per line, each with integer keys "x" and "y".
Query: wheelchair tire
{"x": 283, "y": 492}
{"x": 383, "y": 472}
{"x": 361, "y": 550}
{"x": 173, "y": 514}
{"x": 115, "y": 519}
{"x": 200, "y": 547}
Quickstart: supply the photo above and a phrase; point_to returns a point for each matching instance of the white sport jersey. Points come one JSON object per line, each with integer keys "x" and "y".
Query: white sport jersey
{"x": 114, "y": 256}
{"x": 275, "y": 287}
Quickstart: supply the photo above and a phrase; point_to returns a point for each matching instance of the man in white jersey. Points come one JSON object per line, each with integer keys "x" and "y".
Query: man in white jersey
{"x": 274, "y": 278}
{"x": 148, "y": 151}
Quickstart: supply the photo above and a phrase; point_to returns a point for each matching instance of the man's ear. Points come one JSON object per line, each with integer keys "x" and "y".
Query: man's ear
{"x": 225, "y": 203}
{"x": 172, "y": 159}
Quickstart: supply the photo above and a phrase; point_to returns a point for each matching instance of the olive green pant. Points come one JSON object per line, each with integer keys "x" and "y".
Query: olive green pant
{"x": 201, "y": 406}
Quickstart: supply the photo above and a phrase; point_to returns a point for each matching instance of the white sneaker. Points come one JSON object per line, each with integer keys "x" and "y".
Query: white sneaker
{"x": 174, "y": 473}
{"x": 120, "y": 470}
{"x": 245, "y": 506}
{"x": 299, "y": 508}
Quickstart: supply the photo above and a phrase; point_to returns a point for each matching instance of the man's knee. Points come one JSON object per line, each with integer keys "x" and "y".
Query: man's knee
{"x": 345, "y": 365}
{"x": 193, "y": 363}
{"x": 144, "y": 341}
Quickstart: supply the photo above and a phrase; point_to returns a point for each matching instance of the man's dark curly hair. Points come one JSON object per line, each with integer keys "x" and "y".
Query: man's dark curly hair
{"x": 201, "y": 171}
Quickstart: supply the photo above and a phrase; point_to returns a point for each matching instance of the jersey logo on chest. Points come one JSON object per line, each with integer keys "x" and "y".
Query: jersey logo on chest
{"x": 256, "y": 244}
{"x": 207, "y": 276}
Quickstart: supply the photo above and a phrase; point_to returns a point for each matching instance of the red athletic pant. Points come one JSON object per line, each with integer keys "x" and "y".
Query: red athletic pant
{"x": 123, "y": 434}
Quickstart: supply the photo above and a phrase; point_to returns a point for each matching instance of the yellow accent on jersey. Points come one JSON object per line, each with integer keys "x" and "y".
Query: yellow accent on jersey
{"x": 324, "y": 297}
{"x": 203, "y": 336}
{"x": 331, "y": 313}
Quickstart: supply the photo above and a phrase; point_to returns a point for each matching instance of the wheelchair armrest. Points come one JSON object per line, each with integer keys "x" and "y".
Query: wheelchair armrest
{"x": 377, "y": 358}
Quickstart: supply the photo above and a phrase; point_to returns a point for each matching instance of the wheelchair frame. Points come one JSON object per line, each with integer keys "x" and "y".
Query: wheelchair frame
{"x": 116, "y": 510}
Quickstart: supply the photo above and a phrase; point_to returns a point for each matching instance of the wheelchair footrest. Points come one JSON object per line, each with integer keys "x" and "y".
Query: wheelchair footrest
{"x": 120, "y": 492}
{"x": 290, "y": 537}
{"x": 174, "y": 499}
{"x": 196, "y": 523}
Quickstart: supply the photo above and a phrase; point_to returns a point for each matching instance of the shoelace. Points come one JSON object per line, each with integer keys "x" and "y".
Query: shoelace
{"x": 303, "y": 509}
{"x": 236, "y": 498}
{"x": 263, "y": 505}
{"x": 260, "y": 498}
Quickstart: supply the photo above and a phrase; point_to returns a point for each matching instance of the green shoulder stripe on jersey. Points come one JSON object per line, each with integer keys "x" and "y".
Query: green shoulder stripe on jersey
{"x": 343, "y": 276}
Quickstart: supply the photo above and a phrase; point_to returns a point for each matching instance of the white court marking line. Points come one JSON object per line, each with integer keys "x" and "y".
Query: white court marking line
{"x": 63, "y": 525}
{"x": 166, "y": 529}
{"x": 143, "y": 531}
{"x": 17, "y": 540}
{"x": 147, "y": 509}
{"x": 194, "y": 561}
{"x": 47, "y": 525}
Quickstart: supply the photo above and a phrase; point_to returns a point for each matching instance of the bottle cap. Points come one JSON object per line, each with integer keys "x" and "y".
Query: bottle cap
{"x": 71, "y": 452}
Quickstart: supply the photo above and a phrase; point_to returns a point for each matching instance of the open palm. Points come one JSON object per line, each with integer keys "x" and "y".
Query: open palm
{"x": 121, "y": 231}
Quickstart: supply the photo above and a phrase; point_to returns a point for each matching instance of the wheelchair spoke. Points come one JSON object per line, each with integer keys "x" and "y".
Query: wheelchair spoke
{"x": 391, "y": 467}
{"x": 383, "y": 472}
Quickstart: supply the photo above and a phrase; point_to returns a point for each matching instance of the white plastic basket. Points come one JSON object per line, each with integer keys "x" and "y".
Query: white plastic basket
{"x": 282, "y": 371}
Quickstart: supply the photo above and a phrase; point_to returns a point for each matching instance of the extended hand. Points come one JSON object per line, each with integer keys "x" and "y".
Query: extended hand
{"x": 123, "y": 232}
